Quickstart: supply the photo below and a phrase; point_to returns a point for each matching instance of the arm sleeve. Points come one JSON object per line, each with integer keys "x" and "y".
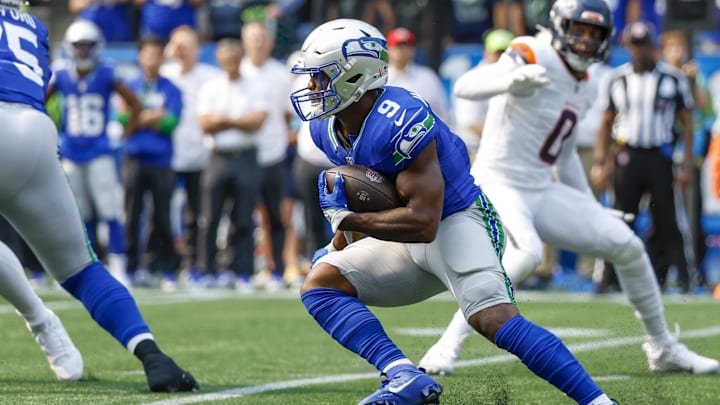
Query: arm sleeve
{"x": 485, "y": 81}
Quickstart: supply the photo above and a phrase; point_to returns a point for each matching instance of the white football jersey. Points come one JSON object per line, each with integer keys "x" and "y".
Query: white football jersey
{"x": 524, "y": 136}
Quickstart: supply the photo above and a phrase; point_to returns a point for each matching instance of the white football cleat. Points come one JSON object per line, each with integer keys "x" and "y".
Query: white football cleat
{"x": 440, "y": 359}
{"x": 677, "y": 357}
{"x": 64, "y": 358}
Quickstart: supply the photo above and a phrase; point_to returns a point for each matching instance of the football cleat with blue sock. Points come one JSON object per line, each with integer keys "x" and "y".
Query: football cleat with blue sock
{"x": 405, "y": 385}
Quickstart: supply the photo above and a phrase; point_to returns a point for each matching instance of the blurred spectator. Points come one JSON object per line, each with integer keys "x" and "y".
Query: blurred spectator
{"x": 159, "y": 17}
{"x": 271, "y": 139}
{"x": 86, "y": 85}
{"x": 404, "y": 72}
{"x": 306, "y": 168}
{"x": 225, "y": 18}
{"x": 147, "y": 168}
{"x": 644, "y": 137}
{"x": 112, "y": 16}
{"x": 379, "y": 13}
{"x": 282, "y": 17}
{"x": 470, "y": 114}
{"x": 232, "y": 108}
{"x": 471, "y": 18}
{"x": 676, "y": 52}
{"x": 190, "y": 155}
{"x": 536, "y": 13}
{"x": 709, "y": 41}
{"x": 647, "y": 11}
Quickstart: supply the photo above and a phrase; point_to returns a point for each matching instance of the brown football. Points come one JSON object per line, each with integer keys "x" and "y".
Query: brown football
{"x": 366, "y": 189}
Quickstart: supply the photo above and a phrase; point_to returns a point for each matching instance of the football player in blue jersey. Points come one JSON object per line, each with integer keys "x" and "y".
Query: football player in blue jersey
{"x": 446, "y": 236}
{"x": 37, "y": 200}
{"x": 86, "y": 85}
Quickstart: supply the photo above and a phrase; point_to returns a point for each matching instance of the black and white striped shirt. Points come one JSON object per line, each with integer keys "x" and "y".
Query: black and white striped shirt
{"x": 646, "y": 104}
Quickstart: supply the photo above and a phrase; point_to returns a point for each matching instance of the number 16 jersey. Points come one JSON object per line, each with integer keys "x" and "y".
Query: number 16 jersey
{"x": 524, "y": 136}
{"x": 86, "y": 108}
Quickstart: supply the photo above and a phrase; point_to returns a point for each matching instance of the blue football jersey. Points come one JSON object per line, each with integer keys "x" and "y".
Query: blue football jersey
{"x": 160, "y": 17}
{"x": 398, "y": 128}
{"x": 86, "y": 109}
{"x": 24, "y": 62}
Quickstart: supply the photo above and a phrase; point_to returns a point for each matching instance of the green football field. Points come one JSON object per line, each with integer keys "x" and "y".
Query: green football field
{"x": 265, "y": 349}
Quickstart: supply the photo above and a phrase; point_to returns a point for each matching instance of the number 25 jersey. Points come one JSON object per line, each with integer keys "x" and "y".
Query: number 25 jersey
{"x": 524, "y": 136}
{"x": 24, "y": 62}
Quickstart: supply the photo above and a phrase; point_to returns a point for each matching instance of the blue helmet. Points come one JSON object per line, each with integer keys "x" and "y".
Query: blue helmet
{"x": 593, "y": 12}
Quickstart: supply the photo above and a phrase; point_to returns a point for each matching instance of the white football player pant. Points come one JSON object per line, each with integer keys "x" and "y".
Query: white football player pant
{"x": 97, "y": 188}
{"x": 15, "y": 287}
{"x": 35, "y": 196}
{"x": 461, "y": 259}
{"x": 569, "y": 219}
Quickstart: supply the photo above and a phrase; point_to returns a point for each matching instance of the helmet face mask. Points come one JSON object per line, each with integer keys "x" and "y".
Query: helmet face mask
{"x": 83, "y": 43}
{"x": 323, "y": 99}
{"x": 567, "y": 18}
{"x": 344, "y": 58}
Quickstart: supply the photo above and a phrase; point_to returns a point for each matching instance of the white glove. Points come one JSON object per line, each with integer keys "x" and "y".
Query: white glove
{"x": 526, "y": 79}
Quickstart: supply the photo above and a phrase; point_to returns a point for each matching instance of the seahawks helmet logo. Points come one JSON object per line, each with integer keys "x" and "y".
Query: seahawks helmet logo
{"x": 367, "y": 47}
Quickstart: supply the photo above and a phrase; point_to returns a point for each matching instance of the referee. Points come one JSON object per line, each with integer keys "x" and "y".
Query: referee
{"x": 646, "y": 96}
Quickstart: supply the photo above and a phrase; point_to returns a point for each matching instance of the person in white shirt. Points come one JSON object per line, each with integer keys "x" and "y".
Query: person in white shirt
{"x": 231, "y": 108}
{"x": 272, "y": 141}
{"x": 190, "y": 155}
{"x": 404, "y": 72}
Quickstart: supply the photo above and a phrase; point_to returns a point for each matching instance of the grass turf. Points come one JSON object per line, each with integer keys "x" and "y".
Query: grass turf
{"x": 265, "y": 349}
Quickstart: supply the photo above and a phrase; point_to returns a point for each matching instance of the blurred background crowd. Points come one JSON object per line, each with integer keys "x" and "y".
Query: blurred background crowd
{"x": 224, "y": 195}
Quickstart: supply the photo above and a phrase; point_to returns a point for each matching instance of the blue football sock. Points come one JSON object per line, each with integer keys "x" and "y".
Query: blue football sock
{"x": 352, "y": 324}
{"x": 116, "y": 237}
{"x": 108, "y": 302}
{"x": 545, "y": 355}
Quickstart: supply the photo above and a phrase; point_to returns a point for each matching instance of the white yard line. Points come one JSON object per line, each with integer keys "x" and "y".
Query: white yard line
{"x": 283, "y": 385}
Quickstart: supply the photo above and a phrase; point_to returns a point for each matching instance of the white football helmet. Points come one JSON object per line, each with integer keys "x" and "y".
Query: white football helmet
{"x": 83, "y": 42}
{"x": 12, "y": 4}
{"x": 352, "y": 54}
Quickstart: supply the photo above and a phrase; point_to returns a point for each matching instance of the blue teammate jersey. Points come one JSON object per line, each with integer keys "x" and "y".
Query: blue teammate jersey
{"x": 112, "y": 19}
{"x": 397, "y": 129}
{"x": 24, "y": 62}
{"x": 160, "y": 17}
{"x": 145, "y": 144}
{"x": 86, "y": 110}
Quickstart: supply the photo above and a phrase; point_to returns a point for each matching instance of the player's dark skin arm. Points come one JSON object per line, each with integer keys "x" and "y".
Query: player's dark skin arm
{"x": 421, "y": 184}
{"x": 133, "y": 107}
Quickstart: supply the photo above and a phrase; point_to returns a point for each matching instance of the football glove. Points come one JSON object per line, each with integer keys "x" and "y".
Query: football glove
{"x": 526, "y": 79}
{"x": 333, "y": 205}
{"x": 322, "y": 252}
